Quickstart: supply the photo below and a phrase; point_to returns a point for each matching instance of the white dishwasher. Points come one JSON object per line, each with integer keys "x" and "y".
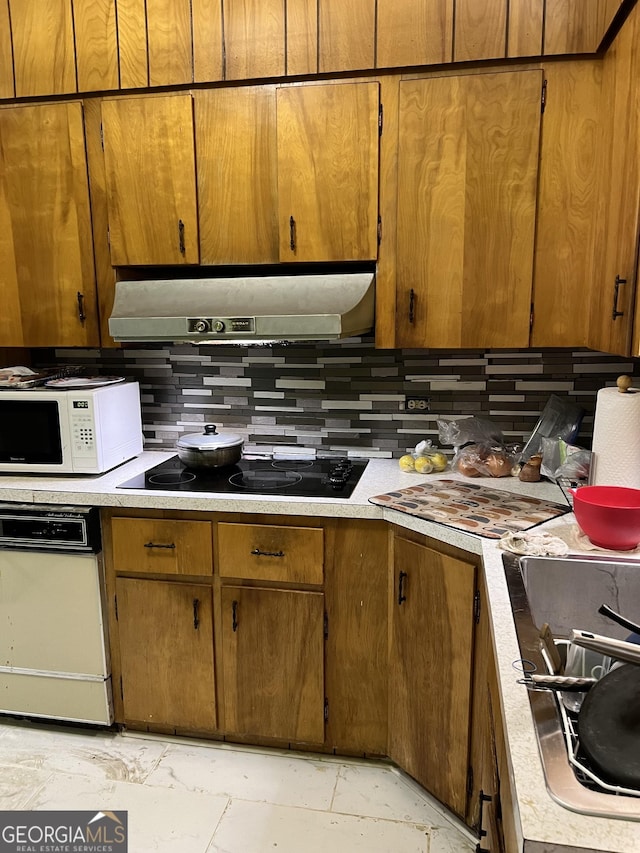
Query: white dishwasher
{"x": 54, "y": 660}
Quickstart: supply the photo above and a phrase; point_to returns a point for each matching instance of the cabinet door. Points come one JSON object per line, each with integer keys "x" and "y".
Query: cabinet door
{"x": 480, "y": 30}
{"x": 151, "y": 180}
{"x": 328, "y": 172}
{"x": 43, "y": 47}
{"x": 467, "y": 173}
{"x": 46, "y": 249}
{"x": 165, "y": 634}
{"x": 346, "y": 34}
{"x": 430, "y": 669}
{"x": 169, "y": 42}
{"x": 272, "y": 647}
{"x": 237, "y": 182}
{"x": 96, "y": 45}
{"x": 414, "y": 33}
{"x": 254, "y": 38}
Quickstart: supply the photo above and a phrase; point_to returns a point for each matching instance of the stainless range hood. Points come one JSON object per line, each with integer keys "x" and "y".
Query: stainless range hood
{"x": 244, "y": 310}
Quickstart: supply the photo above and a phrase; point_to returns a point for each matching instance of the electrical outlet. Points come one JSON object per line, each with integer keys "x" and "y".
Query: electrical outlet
{"x": 416, "y": 404}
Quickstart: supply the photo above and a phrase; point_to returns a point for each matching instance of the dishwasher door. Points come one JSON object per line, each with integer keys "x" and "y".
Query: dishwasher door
{"x": 53, "y": 657}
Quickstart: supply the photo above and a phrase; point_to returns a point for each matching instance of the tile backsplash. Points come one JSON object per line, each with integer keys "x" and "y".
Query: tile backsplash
{"x": 347, "y": 396}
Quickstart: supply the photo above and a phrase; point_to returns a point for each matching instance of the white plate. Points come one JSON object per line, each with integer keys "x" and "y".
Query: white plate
{"x": 83, "y": 381}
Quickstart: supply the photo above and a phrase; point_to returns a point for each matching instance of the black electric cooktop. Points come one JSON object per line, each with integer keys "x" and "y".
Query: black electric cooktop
{"x": 318, "y": 478}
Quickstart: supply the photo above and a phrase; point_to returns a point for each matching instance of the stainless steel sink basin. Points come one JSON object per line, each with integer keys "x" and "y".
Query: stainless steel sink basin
{"x": 566, "y": 593}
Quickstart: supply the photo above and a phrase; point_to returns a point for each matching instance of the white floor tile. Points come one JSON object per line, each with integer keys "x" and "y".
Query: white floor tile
{"x": 447, "y": 840}
{"x": 99, "y": 754}
{"x": 159, "y": 820}
{"x": 261, "y": 827}
{"x": 18, "y": 785}
{"x": 248, "y": 774}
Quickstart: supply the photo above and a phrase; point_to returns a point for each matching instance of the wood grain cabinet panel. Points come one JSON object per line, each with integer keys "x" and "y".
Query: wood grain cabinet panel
{"x": 273, "y": 672}
{"x": 431, "y": 656}
{"x": 328, "y": 172}
{"x": 524, "y": 37}
{"x": 96, "y": 45}
{"x": 207, "y": 40}
{"x": 254, "y": 36}
{"x": 237, "y": 175}
{"x": 480, "y": 29}
{"x": 7, "y": 83}
{"x": 169, "y": 42}
{"x": 414, "y": 33}
{"x": 46, "y": 245}
{"x": 132, "y": 44}
{"x": 43, "y": 49}
{"x": 467, "y": 179}
{"x": 166, "y": 653}
{"x": 575, "y": 26}
{"x": 302, "y": 37}
{"x": 271, "y": 552}
{"x": 151, "y": 179}
{"x": 346, "y": 34}
{"x": 162, "y": 546}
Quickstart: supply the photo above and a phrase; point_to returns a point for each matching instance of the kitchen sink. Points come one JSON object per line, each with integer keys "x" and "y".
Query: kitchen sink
{"x": 566, "y": 593}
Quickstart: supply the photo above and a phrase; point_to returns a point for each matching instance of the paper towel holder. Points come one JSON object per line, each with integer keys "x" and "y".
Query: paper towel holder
{"x": 624, "y": 385}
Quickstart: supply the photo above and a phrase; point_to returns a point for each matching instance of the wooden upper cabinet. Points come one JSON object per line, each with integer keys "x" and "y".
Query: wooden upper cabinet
{"x": 46, "y": 248}
{"x": 207, "y": 40}
{"x": 414, "y": 33}
{"x": 7, "y": 84}
{"x": 328, "y": 171}
{"x": 480, "y": 29}
{"x": 524, "y": 36}
{"x": 346, "y": 34}
{"x": 254, "y": 37}
{"x": 169, "y": 42}
{"x": 577, "y": 26}
{"x": 302, "y": 37}
{"x": 237, "y": 181}
{"x": 43, "y": 48}
{"x": 467, "y": 172}
{"x": 151, "y": 179}
{"x": 132, "y": 44}
{"x": 96, "y": 45}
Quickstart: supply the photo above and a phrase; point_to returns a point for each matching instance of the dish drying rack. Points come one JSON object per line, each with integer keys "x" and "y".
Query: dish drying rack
{"x": 580, "y": 765}
{"x": 33, "y": 380}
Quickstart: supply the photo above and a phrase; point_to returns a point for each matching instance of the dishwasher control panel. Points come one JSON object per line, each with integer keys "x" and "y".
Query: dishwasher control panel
{"x": 50, "y": 527}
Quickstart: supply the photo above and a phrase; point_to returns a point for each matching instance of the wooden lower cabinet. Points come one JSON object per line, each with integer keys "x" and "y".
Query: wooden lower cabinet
{"x": 273, "y": 663}
{"x": 430, "y": 669}
{"x": 165, "y": 634}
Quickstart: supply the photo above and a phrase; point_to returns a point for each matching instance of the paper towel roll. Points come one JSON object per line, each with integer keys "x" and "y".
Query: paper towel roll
{"x": 616, "y": 439}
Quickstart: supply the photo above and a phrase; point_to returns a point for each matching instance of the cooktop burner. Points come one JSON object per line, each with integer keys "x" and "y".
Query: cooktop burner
{"x": 319, "y": 478}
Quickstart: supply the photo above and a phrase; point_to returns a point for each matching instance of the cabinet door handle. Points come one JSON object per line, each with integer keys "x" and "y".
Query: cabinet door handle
{"x": 234, "y": 616}
{"x": 81, "y": 315}
{"x": 181, "y": 236}
{"x": 158, "y": 545}
{"x": 412, "y": 306}
{"x": 401, "y": 579}
{"x": 258, "y": 553}
{"x": 292, "y": 234}
{"x": 616, "y": 288}
{"x": 196, "y": 613}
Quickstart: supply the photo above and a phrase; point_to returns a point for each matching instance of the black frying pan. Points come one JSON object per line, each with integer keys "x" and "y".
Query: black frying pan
{"x": 609, "y": 726}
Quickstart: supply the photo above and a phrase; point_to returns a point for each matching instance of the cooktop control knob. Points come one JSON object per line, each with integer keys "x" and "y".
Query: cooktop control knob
{"x": 218, "y": 326}
{"x": 201, "y": 326}
{"x": 339, "y": 474}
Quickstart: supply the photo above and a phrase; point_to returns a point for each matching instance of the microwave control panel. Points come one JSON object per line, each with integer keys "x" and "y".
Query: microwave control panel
{"x": 82, "y": 433}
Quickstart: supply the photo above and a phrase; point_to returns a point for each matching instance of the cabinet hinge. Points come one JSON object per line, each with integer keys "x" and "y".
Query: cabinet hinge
{"x": 531, "y": 318}
{"x": 476, "y": 606}
{"x": 380, "y": 120}
{"x": 379, "y": 230}
{"x": 325, "y": 625}
{"x": 469, "y": 781}
{"x": 115, "y": 602}
{"x": 326, "y": 710}
{"x": 101, "y": 136}
{"x": 543, "y": 97}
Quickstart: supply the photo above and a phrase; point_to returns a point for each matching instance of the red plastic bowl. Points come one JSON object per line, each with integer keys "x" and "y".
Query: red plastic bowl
{"x": 609, "y": 515}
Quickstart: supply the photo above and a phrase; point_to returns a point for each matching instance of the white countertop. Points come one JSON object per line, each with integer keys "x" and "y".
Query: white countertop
{"x": 546, "y": 826}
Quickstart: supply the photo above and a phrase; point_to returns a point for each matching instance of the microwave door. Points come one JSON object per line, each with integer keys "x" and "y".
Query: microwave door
{"x": 33, "y": 433}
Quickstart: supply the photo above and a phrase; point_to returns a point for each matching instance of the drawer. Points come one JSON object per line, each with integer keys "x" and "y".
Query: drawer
{"x": 271, "y": 553}
{"x": 162, "y": 546}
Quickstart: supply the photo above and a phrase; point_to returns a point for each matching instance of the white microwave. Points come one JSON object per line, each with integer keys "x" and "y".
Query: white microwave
{"x": 76, "y": 431}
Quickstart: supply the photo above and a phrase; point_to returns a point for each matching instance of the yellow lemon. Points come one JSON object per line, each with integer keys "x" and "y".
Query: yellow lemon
{"x": 439, "y": 461}
{"x": 423, "y": 465}
{"x": 406, "y": 463}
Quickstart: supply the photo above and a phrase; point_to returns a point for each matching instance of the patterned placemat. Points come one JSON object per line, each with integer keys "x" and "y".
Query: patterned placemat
{"x": 470, "y": 507}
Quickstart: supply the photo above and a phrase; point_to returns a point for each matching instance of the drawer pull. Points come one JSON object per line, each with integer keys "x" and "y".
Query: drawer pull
{"x": 196, "y": 613}
{"x": 234, "y": 616}
{"x": 157, "y": 545}
{"x": 258, "y": 553}
{"x": 401, "y": 579}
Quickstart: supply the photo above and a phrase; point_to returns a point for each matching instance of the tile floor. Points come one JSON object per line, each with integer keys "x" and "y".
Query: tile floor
{"x": 186, "y": 796}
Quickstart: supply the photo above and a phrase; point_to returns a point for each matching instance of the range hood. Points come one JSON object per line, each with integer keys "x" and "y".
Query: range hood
{"x": 242, "y": 310}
